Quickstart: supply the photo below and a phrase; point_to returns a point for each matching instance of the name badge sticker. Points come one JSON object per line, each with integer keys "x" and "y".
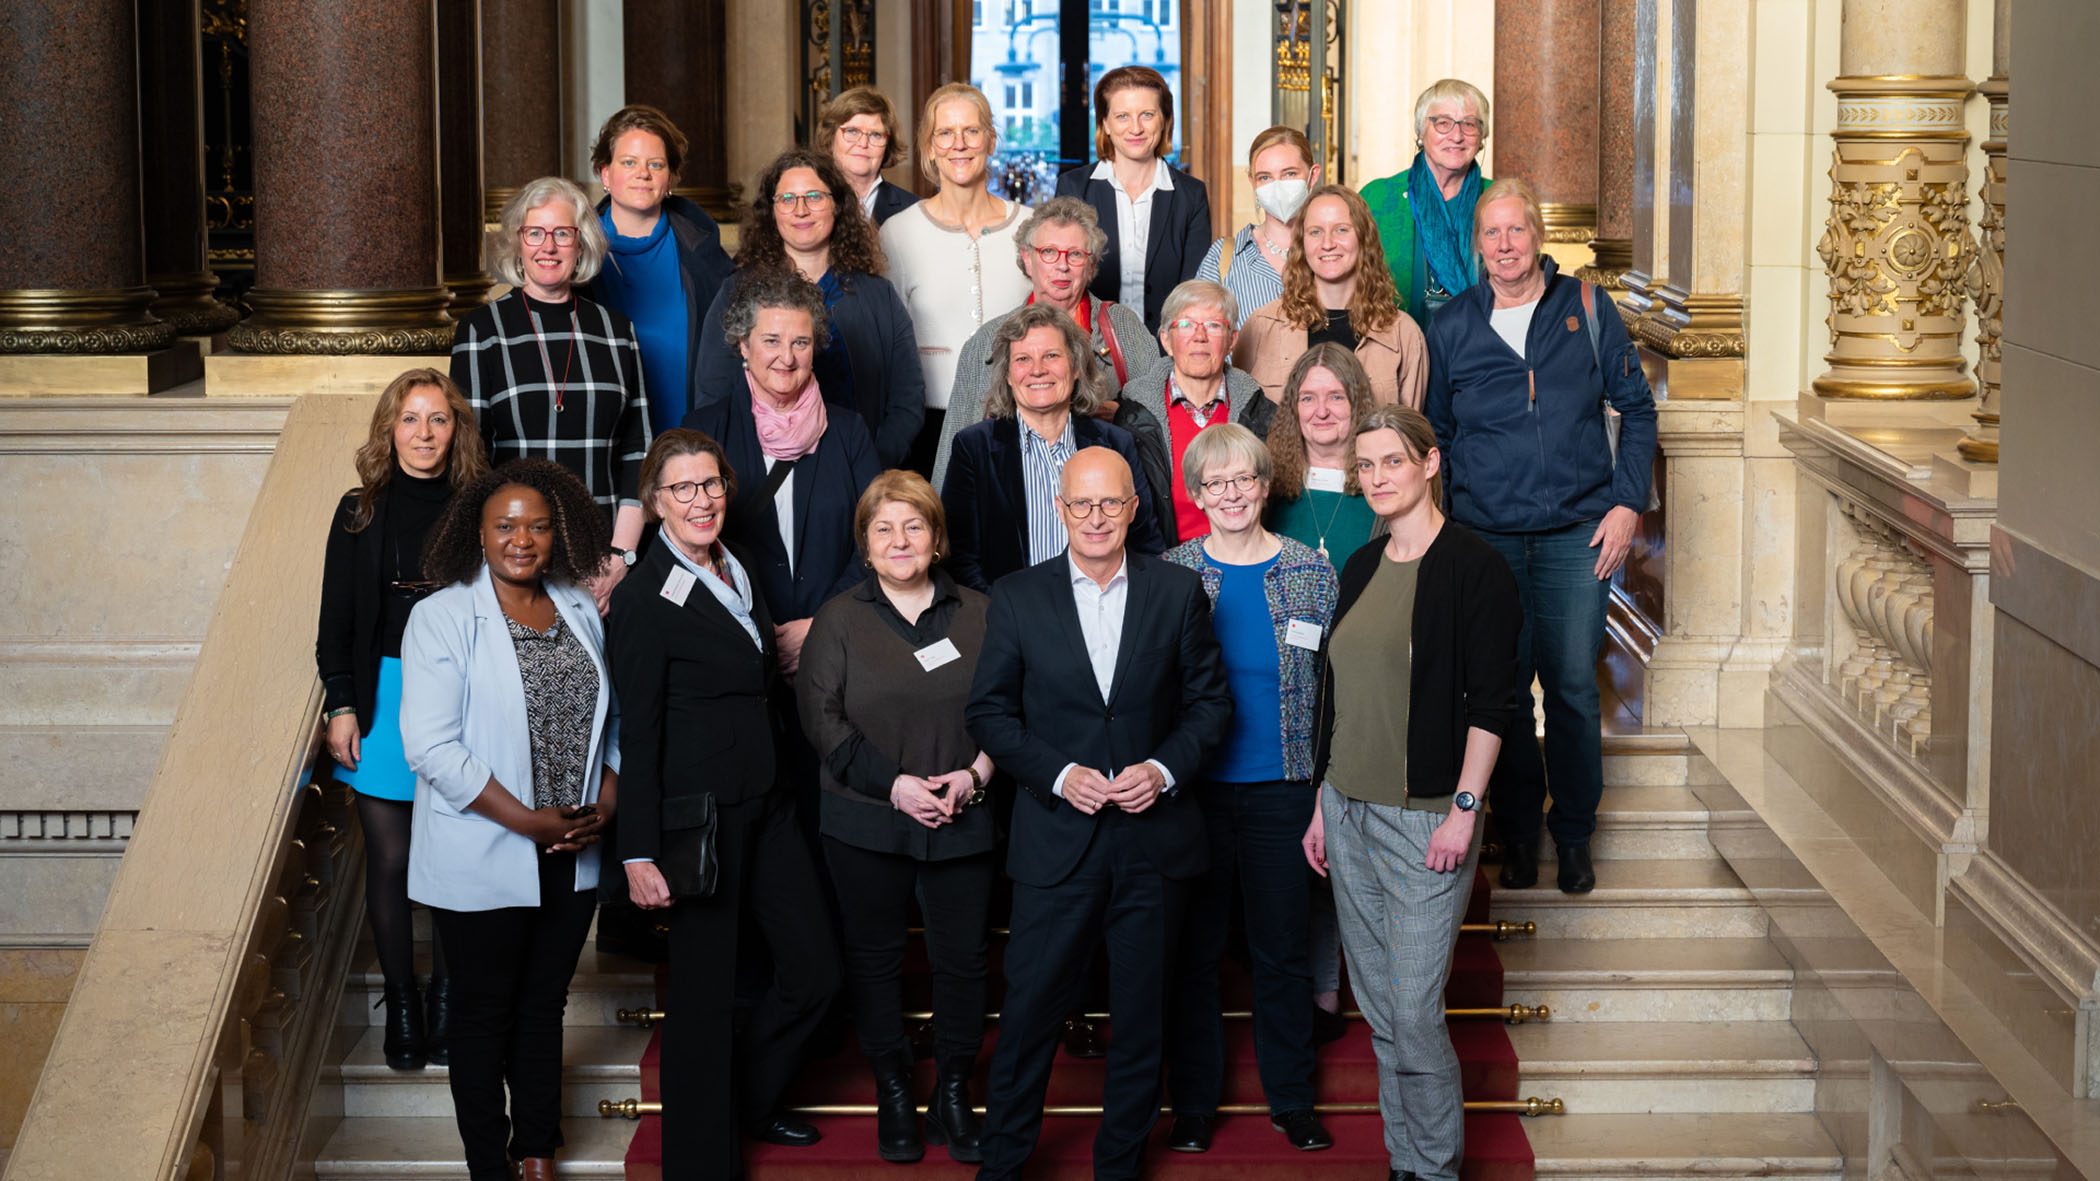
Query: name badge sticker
{"x": 1324, "y": 479}
{"x": 678, "y": 585}
{"x": 933, "y": 656}
{"x": 1303, "y": 633}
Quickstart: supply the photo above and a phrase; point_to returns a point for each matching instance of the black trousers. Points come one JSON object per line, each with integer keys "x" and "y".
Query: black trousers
{"x": 510, "y": 982}
{"x": 715, "y": 1079}
{"x": 876, "y": 891}
{"x": 1115, "y": 892}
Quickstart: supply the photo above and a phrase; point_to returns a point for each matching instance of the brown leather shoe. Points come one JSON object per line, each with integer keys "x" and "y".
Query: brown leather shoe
{"x": 536, "y": 1168}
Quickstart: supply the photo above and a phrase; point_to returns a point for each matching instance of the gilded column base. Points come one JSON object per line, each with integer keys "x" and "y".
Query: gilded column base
{"x": 1611, "y": 259}
{"x": 186, "y": 301}
{"x": 339, "y": 323}
{"x": 116, "y": 320}
{"x": 725, "y": 205}
{"x": 493, "y": 199}
{"x": 1569, "y": 222}
{"x": 1981, "y": 444}
{"x": 469, "y": 291}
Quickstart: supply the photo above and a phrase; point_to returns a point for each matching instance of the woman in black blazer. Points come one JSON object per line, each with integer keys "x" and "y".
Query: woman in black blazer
{"x": 694, "y": 663}
{"x": 1138, "y": 195}
{"x": 421, "y": 447}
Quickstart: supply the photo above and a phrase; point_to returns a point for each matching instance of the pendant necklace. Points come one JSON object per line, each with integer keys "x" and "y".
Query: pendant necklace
{"x": 561, "y": 383}
{"x": 1332, "y": 513}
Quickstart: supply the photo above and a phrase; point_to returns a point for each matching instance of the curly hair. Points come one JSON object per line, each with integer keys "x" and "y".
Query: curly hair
{"x": 582, "y": 535}
{"x": 1375, "y": 302}
{"x": 1286, "y": 436}
{"x": 758, "y": 290}
{"x": 855, "y": 250}
{"x": 466, "y": 459}
{"x": 1062, "y": 211}
{"x": 1092, "y": 383}
{"x": 850, "y": 105}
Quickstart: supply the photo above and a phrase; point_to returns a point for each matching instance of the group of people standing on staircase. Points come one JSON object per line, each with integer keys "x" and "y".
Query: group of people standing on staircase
{"x": 923, "y": 537}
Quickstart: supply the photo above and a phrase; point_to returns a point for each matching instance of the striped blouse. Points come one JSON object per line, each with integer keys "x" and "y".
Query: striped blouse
{"x": 1252, "y": 280}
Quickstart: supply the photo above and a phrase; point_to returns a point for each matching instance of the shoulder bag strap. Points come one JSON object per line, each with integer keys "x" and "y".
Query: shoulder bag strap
{"x": 1115, "y": 349}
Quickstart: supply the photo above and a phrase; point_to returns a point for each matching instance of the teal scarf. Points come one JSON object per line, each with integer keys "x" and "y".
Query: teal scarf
{"x": 1444, "y": 229}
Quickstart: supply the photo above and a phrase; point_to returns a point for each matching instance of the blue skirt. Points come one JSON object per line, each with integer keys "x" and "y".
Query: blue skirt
{"x": 382, "y": 765}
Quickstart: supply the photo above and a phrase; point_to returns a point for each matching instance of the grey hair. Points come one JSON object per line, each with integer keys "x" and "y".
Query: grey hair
{"x": 1091, "y": 383}
{"x": 1199, "y": 293}
{"x": 1455, "y": 90}
{"x": 774, "y": 289}
{"x": 1221, "y": 444}
{"x": 505, "y": 259}
{"x": 1062, "y": 211}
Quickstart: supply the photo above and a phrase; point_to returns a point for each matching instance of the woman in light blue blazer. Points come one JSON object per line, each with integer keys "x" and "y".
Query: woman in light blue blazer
{"x": 508, "y": 720}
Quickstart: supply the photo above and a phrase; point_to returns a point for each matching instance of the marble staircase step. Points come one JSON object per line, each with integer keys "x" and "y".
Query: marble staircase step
{"x": 1658, "y": 822}
{"x": 1639, "y": 899}
{"x": 1648, "y": 980}
{"x": 403, "y": 1147}
{"x": 603, "y": 985}
{"x": 1609, "y": 1067}
{"x": 598, "y": 1062}
{"x": 1631, "y": 1147}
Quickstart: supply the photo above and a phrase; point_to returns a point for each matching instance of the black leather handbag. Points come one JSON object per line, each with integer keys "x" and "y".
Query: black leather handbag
{"x": 687, "y": 856}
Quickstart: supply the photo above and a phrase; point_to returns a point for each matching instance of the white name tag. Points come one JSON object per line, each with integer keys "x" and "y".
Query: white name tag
{"x": 678, "y": 585}
{"x": 1324, "y": 479}
{"x": 1303, "y": 634}
{"x": 932, "y": 656}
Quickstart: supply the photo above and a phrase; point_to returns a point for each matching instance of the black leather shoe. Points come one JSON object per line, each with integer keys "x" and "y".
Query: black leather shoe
{"x": 1328, "y": 1027}
{"x": 949, "y": 1119}
{"x": 784, "y": 1131}
{"x": 1397, "y": 1175}
{"x": 1083, "y": 1039}
{"x": 896, "y": 1115}
{"x": 437, "y": 1021}
{"x": 1302, "y": 1128}
{"x": 403, "y": 1044}
{"x": 1520, "y": 864}
{"x": 1577, "y": 875}
{"x": 1191, "y": 1133}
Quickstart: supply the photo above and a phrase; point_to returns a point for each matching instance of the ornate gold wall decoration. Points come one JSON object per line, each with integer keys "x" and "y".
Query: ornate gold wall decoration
{"x": 1567, "y": 221}
{"x": 1884, "y": 590}
{"x": 1985, "y": 281}
{"x": 343, "y": 323}
{"x": 1897, "y": 247}
{"x": 1611, "y": 259}
{"x": 1689, "y": 327}
{"x": 114, "y": 321}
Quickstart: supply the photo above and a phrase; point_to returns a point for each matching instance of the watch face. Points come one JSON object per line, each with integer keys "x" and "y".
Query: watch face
{"x": 1466, "y": 801}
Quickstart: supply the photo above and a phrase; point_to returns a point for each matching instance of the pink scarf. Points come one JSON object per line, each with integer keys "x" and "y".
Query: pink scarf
{"x": 792, "y": 433}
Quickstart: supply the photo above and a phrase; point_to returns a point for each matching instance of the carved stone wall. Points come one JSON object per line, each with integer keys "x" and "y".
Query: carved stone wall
{"x": 1885, "y": 592}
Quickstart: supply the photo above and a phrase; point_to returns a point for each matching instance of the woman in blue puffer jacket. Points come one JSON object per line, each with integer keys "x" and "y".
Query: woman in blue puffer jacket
{"x": 1524, "y": 371}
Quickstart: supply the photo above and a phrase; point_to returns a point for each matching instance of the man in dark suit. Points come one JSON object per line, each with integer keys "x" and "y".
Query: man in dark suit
{"x": 1099, "y": 689}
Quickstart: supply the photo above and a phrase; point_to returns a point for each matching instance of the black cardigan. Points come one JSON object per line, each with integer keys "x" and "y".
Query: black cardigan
{"x": 1463, "y": 673}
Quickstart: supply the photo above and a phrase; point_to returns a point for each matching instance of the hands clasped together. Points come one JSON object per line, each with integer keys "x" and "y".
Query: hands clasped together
{"x": 1133, "y": 789}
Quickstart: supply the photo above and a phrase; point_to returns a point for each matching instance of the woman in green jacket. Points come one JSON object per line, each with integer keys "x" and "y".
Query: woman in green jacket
{"x": 1429, "y": 239}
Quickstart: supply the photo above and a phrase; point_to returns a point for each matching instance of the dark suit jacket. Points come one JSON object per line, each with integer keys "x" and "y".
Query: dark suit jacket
{"x": 890, "y": 200}
{"x": 882, "y": 381}
{"x": 1174, "y": 247}
{"x": 985, "y": 497}
{"x": 696, "y": 689}
{"x": 702, "y": 265}
{"x": 827, "y": 483}
{"x": 1035, "y": 707}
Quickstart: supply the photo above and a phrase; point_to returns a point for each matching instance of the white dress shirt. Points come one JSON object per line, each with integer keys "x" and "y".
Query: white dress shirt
{"x": 1101, "y": 627}
{"x": 867, "y": 203}
{"x": 784, "y": 514}
{"x": 1133, "y": 228}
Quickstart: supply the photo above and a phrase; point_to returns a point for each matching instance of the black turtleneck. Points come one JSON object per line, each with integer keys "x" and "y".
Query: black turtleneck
{"x": 413, "y": 504}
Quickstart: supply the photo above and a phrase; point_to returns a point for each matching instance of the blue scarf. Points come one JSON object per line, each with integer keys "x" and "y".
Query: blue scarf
{"x": 1444, "y": 229}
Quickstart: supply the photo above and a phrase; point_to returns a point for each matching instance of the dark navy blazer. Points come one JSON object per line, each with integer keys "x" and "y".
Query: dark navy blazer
{"x": 1174, "y": 246}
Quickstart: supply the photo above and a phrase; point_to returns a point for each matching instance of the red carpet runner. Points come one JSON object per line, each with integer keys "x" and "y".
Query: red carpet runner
{"x": 1245, "y": 1149}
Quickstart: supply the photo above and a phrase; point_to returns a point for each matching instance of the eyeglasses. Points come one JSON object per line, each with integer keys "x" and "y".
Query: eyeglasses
{"x": 536, "y": 236}
{"x": 1243, "y": 483}
{"x": 815, "y": 199}
{"x": 1211, "y": 327}
{"x": 946, "y": 136}
{"x": 684, "y": 490}
{"x": 854, "y": 135}
{"x": 1110, "y": 506}
{"x": 1444, "y": 124}
{"x": 1050, "y": 254}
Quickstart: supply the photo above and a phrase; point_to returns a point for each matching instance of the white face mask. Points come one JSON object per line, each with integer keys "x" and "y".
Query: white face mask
{"x": 1282, "y": 198}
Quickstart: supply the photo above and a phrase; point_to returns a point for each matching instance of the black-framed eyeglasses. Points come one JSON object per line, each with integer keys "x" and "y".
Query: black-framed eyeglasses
{"x": 1217, "y": 487}
{"x": 684, "y": 490}
{"x": 1110, "y": 506}
{"x": 536, "y": 236}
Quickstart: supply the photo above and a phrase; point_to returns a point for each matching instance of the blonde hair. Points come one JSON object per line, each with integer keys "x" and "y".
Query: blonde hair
{"x": 1223, "y": 443}
{"x": 952, "y": 92}
{"x": 1280, "y": 135}
{"x": 1509, "y": 188}
{"x": 1375, "y": 302}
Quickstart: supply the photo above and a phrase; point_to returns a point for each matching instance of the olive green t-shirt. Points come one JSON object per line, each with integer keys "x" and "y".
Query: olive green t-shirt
{"x": 1372, "y": 652}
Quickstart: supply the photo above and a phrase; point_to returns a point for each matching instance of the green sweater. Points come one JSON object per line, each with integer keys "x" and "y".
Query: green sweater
{"x": 1395, "y": 219}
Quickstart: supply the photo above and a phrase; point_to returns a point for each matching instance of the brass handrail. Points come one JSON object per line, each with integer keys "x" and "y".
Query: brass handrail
{"x": 1534, "y": 1106}
{"x": 1513, "y": 1014}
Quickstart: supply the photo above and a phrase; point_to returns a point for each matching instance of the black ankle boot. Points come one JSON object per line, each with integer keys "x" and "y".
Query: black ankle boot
{"x": 1520, "y": 864}
{"x": 896, "y": 1116}
{"x": 437, "y": 1020}
{"x": 404, "y": 1043}
{"x": 949, "y": 1119}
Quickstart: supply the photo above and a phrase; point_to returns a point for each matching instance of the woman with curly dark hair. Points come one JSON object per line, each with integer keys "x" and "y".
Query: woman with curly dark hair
{"x": 806, "y": 221}
{"x": 422, "y": 445}
{"x": 508, "y": 719}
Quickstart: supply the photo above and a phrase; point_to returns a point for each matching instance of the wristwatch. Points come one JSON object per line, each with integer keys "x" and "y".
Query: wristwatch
{"x": 626, "y": 556}
{"x": 1466, "y": 801}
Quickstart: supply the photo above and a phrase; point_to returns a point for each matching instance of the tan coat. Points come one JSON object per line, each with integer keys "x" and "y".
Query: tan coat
{"x": 1397, "y": 359}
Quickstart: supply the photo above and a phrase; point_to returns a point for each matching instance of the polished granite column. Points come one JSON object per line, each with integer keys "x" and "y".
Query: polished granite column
{"x": 1612, "y": 248}
{"x": 1987, "y": 276}
{"x": 171, "y": 156}
{"x": 344, "y": 106}
{"x": 1897, "y": 247}
{"x": 520, "y": 96}
{"x": 676, "y": 63}
{"x": 73, "y": 279}
{"x": 1546, "y": 107}
{"x": 459, "y": 153}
